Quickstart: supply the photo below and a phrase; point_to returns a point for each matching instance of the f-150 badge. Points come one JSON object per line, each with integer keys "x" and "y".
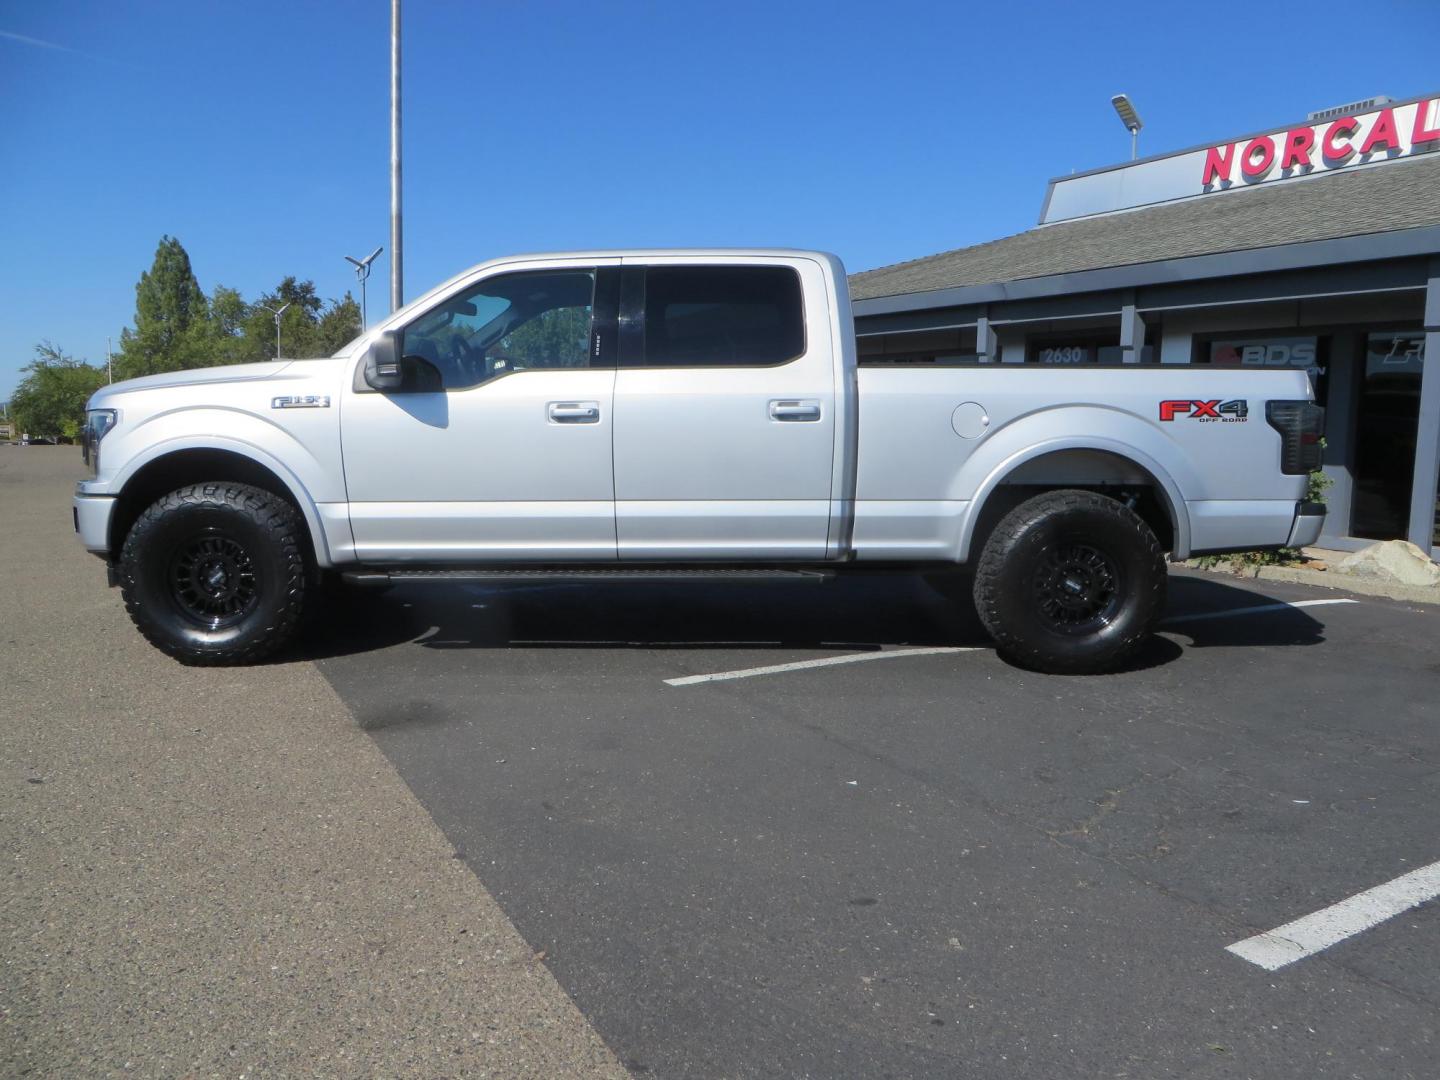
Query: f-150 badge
{"x": 306, "y": 401}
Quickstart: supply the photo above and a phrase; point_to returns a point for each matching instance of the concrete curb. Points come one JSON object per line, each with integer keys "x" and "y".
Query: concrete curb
{"x": 1410, "y": 594}
{"x": 1329, "y": 579}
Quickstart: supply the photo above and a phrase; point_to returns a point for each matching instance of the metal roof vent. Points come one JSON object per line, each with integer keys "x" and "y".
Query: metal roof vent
{"x": 1350, "y": 110}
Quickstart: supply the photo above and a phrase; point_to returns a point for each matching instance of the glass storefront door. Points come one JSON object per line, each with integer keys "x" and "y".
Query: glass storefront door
{"x": 1387, "y": 423}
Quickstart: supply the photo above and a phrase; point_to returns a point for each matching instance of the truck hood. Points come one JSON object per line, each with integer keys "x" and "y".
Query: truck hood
{"x": 191, "y": 376}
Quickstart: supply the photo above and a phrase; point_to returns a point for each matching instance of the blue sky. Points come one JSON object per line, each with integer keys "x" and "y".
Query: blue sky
{"x": 257, "y": 132}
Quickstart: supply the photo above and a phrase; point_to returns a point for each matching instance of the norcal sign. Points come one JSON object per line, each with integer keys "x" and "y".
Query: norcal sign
{"x": 1348, "y": 140}
{"x": 1386, "y": 131}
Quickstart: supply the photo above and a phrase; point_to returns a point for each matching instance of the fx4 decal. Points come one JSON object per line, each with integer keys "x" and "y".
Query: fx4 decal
{"x": 1227, "y": 412}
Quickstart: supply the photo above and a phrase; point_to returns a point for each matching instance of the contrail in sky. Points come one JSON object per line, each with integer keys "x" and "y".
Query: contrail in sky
{"x": 36, "y": 41}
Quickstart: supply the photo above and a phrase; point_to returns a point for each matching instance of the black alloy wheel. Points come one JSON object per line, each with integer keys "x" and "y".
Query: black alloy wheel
{"x": 216, "y": 573}
{"x": 1077, "y": 588}
{"x": 212, "y": 580}
{"x": 1070, "y": 582}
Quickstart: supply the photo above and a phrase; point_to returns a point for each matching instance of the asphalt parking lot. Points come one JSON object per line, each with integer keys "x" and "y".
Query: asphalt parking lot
{"x": 937, "y": 865}
{"x": 751, "y": 831}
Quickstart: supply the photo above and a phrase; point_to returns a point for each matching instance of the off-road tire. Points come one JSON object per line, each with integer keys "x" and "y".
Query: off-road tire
{"x": 1070, "y": 583}
{"x": 253, "y": 540}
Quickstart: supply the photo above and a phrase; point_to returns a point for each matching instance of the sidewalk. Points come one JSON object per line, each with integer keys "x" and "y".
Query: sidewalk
{"x": 213, "y": 872}
{"x": 1321, "y": 568}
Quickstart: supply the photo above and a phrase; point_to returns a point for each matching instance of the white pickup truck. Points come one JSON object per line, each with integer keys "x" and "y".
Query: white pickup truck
{"x": 679, "y": 414}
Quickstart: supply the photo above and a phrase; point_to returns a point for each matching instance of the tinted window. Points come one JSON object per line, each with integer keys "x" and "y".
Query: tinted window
{"x": 514, "y": 322}
{"x": 722, "y": 316}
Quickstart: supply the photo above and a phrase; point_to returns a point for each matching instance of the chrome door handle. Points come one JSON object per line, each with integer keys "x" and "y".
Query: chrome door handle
{"x": 795, "y": 411}
{"x": 573, "y": 412}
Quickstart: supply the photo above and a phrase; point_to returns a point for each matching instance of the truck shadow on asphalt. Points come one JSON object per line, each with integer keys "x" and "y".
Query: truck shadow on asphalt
{"x": 858, "y": 613}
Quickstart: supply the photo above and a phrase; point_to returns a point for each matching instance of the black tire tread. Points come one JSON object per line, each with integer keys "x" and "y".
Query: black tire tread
{"x": 275, "y": 517}
{"x": 989, "y": 580}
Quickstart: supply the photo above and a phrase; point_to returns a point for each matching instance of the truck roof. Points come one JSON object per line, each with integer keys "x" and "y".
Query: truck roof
{"x": 833, "y": 261}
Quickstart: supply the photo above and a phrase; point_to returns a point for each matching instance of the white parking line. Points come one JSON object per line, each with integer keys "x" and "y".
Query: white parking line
{"x": 1255, "y": 610}
{"x": 800, "y": 665}
{"x": 1329, "y": 926}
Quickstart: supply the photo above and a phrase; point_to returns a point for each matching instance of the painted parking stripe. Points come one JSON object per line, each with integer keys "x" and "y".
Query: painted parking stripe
{"x": 1256, "y": 609}
{"x": 801, "y": 665}
{"x": 1329, "y": 926}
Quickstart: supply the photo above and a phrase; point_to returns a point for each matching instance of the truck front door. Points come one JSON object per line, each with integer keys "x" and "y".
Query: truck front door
{"x": 725, "y": 410}
{"x": 499, "y": 446}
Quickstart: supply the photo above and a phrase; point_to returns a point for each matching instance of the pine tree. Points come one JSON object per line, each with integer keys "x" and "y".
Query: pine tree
{"x": 171, "y": 317}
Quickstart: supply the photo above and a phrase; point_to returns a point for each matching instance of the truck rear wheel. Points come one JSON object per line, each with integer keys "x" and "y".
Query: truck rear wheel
{"x": 1070, "y": 583}
{"x": 215, "y": 573}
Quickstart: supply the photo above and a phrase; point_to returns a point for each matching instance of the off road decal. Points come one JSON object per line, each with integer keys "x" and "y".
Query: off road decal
{"x": 1214, "y": 412}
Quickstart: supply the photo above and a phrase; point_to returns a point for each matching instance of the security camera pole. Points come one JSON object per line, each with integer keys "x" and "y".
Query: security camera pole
{"x": 1128, "y": 116}
{"x": 277, "y": 315}
{"x": 362, "y": 272}
{"x": 396, "y": 265}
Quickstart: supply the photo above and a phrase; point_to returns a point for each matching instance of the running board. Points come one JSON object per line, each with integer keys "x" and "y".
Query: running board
{"x": 578, "y": 576}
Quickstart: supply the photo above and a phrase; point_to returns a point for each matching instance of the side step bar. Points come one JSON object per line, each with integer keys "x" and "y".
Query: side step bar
{"x": 577, "y": 576}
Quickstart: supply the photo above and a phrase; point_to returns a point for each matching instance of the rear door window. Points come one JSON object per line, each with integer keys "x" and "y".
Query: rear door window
{"x": 722, "y": 316}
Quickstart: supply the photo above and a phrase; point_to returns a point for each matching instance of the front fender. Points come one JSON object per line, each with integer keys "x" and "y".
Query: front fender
{"x": 296, "y": 466}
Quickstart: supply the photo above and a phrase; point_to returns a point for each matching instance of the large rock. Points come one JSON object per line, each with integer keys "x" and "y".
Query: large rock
{"x": 1396, "y": 561}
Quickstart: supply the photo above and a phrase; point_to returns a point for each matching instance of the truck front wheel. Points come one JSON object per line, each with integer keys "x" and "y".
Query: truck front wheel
{"x": 215, "y": 573}
{"x": 1070, "y": 583}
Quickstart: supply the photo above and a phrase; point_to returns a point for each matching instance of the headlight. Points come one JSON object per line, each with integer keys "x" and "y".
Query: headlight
{"x": 97, "y": 423}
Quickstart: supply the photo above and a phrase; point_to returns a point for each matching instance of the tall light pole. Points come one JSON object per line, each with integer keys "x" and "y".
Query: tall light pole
{"x": 362, "y": 271}
{"x": 397, "y": 299}
{"x": 1128, "y": 116}
{"x": 277, "y": 315}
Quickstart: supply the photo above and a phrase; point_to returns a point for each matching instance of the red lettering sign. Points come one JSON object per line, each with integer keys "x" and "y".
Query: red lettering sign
{"x": 1340, "y": 143}
{"x": 1217, "y": 163}
{"x": 1335, "y": 153}
{"x": 1423, "y": 132}
{"x": 1253, "y": 166}
{"x": 1298, "y": 145}
{"x": 1382, "y": 133}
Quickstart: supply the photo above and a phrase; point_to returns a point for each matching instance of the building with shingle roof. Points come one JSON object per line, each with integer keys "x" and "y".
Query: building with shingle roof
{"x": 1314, "y": 246}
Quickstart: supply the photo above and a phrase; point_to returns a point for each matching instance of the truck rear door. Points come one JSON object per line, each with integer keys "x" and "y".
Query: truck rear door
{"x": 725, "y": 410}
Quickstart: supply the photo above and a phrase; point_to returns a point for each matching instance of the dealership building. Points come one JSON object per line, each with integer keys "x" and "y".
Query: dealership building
{"x": 1316, "y": 246}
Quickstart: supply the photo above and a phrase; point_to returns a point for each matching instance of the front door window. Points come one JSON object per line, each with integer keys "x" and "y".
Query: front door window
{"x": 514, "y": 322}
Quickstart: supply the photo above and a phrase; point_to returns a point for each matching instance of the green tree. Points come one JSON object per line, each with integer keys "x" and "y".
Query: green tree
{"x": 338, "y": 325}
{"x": 309, "y": 327}
{"x": 172, "y": 318}
{"x": 177, "y": 327}
{"x": 229, "y": 330}
{"x": 51, "y": 397}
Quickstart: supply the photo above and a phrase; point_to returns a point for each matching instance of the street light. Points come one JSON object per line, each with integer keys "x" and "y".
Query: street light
{"x": 362, "y": 271}
{"x": 277, "y": 315}
{"x": 1131, "y": 119}
{"x": 397, "y": 273}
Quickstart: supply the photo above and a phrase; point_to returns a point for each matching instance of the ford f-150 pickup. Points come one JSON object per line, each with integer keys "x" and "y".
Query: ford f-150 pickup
{"x": 680, "y": 414}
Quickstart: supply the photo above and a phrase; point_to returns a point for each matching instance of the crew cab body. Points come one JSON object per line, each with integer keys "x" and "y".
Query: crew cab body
{"x": 688, "y": 408}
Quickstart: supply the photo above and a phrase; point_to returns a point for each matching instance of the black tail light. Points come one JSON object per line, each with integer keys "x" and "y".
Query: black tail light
{"x": 1301, "y": 425}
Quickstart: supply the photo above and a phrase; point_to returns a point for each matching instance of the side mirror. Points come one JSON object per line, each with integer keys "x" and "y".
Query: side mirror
{"x": 383, "y": 369}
